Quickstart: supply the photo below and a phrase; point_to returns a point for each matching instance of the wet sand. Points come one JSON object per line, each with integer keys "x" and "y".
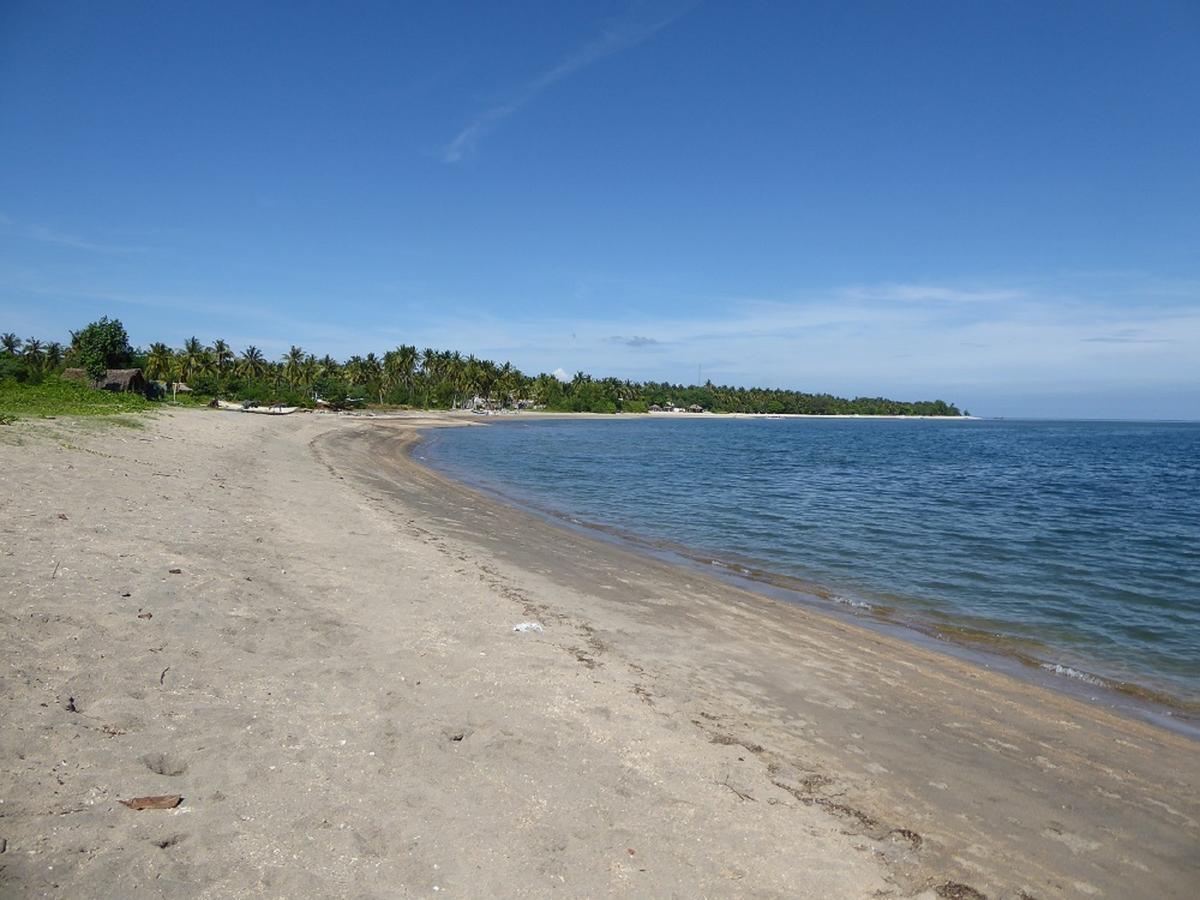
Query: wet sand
{"x": 332, "y": 682}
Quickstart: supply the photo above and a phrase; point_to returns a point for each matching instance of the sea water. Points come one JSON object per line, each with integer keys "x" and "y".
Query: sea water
{"x": 1073, "y": 545}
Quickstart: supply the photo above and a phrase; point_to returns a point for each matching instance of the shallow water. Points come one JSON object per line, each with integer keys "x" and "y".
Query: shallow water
{"x": 1072, "y": 544}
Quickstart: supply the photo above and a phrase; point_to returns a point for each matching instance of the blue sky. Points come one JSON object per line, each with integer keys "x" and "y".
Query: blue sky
{"x": 997, "y": 204}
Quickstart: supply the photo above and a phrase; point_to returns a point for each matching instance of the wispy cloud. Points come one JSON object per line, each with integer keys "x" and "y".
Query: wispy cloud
{"x": 634, "y": 340}
{"x": 1125, "y": 338}
{"x": 45, "y": 235}
{"x": 918, "y": 293}
{"x": 615, "y": 39}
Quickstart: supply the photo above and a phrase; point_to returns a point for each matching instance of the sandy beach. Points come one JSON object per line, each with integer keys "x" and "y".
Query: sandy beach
{"x": 309, "y": 637}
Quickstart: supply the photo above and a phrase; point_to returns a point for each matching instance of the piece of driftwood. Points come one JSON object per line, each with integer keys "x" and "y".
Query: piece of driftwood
{"x": 164, "y": 801}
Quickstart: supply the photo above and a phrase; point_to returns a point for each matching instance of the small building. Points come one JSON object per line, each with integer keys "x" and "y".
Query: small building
{"x": 654, "y": 407}
{"x": 124, "y": 381}
{"x": 695, "y": 408}
{"x": 117, "y": 380}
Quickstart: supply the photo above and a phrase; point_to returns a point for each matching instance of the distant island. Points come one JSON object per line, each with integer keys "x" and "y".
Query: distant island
{"x": 403, "y": 377}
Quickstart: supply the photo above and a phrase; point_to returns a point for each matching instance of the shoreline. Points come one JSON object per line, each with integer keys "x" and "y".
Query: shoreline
{"x": 309, "y": 637}
{"x": 1044, "y": 719}
{"x": 1148, "y": 702}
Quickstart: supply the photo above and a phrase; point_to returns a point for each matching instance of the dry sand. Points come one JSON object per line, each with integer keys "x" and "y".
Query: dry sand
{"x": 332, "y": 683}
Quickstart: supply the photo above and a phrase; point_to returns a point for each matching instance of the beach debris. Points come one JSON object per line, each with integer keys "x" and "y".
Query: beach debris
{"x": 63, "y": 516}
{"x": 69, "y": 706}
{"x": 3, "y": 845}
{"x": 126, "y": 594}
{"x": 953, "y": 890}
{"x": 164, "y": 674}
{"x": 741, "y": 795}
{"x": 145, "y": 615}
{"x": 523, "y": 627}
{"x": 175, "y": 571}
{"x": 162, "y": 801}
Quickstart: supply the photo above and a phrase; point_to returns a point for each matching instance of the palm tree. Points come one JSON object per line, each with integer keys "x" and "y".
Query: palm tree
{"x": 310, "y": 371}
{"x": 329, "y": 365}
{"x": 373, "y": 373}
{"x": 507, "y": 379}
{"x": 222, "y": 355}
{"x": 54, "y": 355}
{"x": 429, "y": 360}
{"x": 355, "y": 373}
{"x": 456, "y": 369}
{"x": 10, "y": 343}
{"x": 191, "y": 361}
{"x": 159, "y": 362}
{"x": 252, "y": 364}
{"x": 392, "y": 376}
{"x": 33, "y": 353}
{"x": 407, "y": 361}
{"x": 292, "y": 361}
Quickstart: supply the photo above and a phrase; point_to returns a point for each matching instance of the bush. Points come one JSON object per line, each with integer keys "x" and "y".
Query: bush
{"x": 101, "y": 346}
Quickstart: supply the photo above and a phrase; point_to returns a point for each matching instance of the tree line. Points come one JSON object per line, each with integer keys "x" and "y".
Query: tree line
{"x": 404, "y": 376}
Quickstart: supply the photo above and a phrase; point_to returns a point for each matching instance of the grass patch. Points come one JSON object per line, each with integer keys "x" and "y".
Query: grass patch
{"x": 58, "y": 397}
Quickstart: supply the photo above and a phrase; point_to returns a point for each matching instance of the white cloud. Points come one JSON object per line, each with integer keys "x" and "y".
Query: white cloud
{"x": 620, "y": 37}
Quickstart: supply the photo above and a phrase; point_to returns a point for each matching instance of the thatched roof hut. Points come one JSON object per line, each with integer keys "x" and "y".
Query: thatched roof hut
{"x": 123, "y": 381}
{"x": 118, "y": 380}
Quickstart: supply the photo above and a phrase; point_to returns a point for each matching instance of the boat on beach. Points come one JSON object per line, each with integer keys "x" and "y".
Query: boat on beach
{"x": 260, "y": 410}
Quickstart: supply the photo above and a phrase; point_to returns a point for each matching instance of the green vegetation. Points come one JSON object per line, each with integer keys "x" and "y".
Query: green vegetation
{"x": 404, "y": 377}
{"x": 99, "y": 347}
{"x": 54, "y": 396}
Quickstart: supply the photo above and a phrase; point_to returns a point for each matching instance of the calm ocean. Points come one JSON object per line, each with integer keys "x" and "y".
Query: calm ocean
{"x": 1071, "y": 545}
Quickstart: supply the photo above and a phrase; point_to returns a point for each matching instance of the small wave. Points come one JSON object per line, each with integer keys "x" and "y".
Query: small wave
{"x": 851, "y": 602}
{"x": 1068, "y": 672}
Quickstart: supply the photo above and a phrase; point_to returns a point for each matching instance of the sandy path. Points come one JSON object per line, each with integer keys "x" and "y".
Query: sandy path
{"x": 332, "y": 683}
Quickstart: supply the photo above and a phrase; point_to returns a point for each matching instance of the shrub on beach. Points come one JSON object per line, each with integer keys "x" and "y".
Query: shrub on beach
{"x": 101, "y": 346}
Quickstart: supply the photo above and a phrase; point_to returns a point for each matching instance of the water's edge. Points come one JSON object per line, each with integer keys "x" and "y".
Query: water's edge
{"x": 1010, "y": 655}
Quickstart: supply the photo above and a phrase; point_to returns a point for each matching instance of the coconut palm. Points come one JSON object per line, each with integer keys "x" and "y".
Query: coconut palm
{"x": 222, "y": 356}
{"x": 329, "y": 365}
{"x": 392, "y": 377}
{"x": 252, "y": 364}
{"x": 54, "y": 355}
{"x": 10, "y": 343}
{"x": 354, "y": 371}
{"x": 293, "y": 360}
{"x": 429, "y": 361}
{"x": 507, "y": 379}
{"x": 159, "y": 362}
{"x": 191, "y": 361}
{"x": 373, "y": 373}
{"x": 33, "y": 353}
{"x": 310, "y": 370}
{"x": 455, "y": 372}
{"x": 407, "y": 361}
